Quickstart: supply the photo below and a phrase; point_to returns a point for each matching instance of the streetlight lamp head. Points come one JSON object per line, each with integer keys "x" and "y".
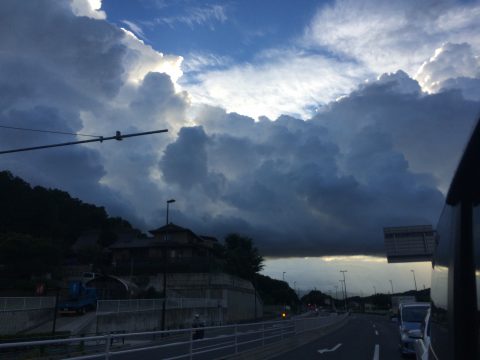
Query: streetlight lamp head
{"x": 170, "y": 201}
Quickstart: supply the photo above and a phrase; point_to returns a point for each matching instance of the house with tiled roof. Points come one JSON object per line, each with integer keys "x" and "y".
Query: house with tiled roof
{"x": 178, "y": 248}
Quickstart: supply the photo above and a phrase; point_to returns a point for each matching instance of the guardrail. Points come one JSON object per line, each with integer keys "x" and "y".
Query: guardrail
{"x": 170, "y": 344}
{"x": 26, "y": 303}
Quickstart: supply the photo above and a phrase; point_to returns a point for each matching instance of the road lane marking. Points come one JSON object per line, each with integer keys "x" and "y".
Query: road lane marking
{"x": 329, "y": 350}
{"x": 376, "y": 353}
{"x": 376, "y": 332}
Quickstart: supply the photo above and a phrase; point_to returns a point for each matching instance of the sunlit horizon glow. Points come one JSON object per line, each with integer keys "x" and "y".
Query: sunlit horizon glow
{"x": 363, "y": 273}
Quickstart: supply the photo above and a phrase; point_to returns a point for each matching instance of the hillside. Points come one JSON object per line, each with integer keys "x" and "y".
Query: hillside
{"x": 38, "y": 226}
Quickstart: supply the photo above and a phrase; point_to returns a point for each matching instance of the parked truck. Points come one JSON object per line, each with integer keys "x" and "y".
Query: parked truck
{"x": 80, "y": 299}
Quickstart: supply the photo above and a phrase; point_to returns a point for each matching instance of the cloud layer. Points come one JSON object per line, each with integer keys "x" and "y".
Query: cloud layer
{"x": 346, "y": 42}
{"x": 380, "y": 155}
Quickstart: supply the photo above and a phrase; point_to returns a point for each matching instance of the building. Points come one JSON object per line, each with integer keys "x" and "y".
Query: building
{"x": 172, "y": 248}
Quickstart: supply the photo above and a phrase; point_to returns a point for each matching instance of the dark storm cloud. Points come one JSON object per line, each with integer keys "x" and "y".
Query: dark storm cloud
{"x": 53, "y": 65}
{"x": 327, "y": 185}
{"x": 379, "y": 156}
{"x": 185, "y": 160}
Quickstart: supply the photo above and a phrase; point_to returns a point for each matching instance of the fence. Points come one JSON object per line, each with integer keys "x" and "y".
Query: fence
{"x": 117, "y": 306}
{"x": 216, "y": 341}
{"x": 26, "y": 303}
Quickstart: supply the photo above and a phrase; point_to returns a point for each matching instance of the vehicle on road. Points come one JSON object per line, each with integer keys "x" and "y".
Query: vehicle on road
{"x": 397, "y": 301}
{"x": 423, "y": 339}
{"x": 411, "y": 317}
{"x": 80, "y": 299}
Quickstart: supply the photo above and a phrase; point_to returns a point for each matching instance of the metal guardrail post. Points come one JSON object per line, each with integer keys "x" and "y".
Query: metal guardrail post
{"x": 107, "y": 347}
{"x": 236, "y": 339}
{"x": 191, "y": 344}
{"x": 263, "y": 334}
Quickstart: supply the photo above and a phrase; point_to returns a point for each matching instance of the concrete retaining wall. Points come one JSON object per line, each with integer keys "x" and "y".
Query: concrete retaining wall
{"x": 152, "y": 320}
{"x": 236, "y": 294}
{"x": 241, "y": 305}
{"x": 12, "y": 322}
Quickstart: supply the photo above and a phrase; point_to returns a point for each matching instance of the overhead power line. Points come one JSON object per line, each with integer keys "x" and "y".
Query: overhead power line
{"x": 118, "y": 136}
{"x": 47, "y": 131}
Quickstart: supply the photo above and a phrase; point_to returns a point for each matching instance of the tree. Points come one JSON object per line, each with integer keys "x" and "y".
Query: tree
{"x": 241, "y": 257}
{"x": 275, "y": 292}
{"x": 23, "y": 255}
{"x": 316, "y": 297}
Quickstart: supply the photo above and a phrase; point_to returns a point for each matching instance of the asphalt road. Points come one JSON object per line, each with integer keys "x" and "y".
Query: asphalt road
{"x": 361, "y": 338}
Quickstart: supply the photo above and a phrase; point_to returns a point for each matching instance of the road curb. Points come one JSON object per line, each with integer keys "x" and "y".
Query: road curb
{"x": 275, "y": 349}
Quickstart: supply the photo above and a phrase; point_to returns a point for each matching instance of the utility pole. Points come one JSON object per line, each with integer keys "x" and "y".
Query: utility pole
{"x": 345, "y": 283}
{"x": 391, "y": 284}
{"x": 55, "y": 309}
{"x": 165, "y": 259}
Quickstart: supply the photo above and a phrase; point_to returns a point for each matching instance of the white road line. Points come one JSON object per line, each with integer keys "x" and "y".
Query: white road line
{"x": 329, "y": 350}
{"x": 376, "y": 353}
{"x": 376, "y": 332}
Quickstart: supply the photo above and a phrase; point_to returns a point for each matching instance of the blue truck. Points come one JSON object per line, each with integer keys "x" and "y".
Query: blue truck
{"x": 80, "y": 299}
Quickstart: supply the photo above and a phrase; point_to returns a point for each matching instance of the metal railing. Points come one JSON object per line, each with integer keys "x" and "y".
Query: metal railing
{"x": 170, "y": 344}
{"x": 26, "y": 303}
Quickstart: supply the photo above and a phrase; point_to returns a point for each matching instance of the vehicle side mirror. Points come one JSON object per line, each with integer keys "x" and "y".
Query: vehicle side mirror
{"x": 415, "y": 334}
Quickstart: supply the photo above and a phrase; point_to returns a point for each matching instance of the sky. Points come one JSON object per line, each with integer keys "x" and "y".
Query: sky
{"x": 307, "y": 126}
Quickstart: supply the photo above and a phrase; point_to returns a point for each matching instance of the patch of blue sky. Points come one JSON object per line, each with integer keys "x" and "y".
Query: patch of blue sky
{"x": 238, "y": 29}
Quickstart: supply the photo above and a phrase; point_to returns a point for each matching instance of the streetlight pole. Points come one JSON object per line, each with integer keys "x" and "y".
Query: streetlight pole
{"x": 374, "y": 290}
{"x": 285, "y": 303}
{"x": 165, "y": 259}
{"x": 343, "y": 291}
{"x": 345, "y": 283}
{"x": 391, "y": 284}
{"x": 414, "y": 280}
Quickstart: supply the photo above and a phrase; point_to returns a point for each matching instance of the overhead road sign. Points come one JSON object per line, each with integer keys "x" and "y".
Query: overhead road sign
{"x": 409, "y": 243}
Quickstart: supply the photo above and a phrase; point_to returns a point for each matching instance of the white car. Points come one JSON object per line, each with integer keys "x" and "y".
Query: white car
{"x": 411, "y": 318}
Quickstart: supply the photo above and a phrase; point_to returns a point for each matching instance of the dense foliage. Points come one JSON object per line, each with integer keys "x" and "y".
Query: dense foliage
{"x": 38, "y": 226}
{"x": 275, "y": 292}
{"x": 316, "y": 298}
{"x": 241, "y": 257}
